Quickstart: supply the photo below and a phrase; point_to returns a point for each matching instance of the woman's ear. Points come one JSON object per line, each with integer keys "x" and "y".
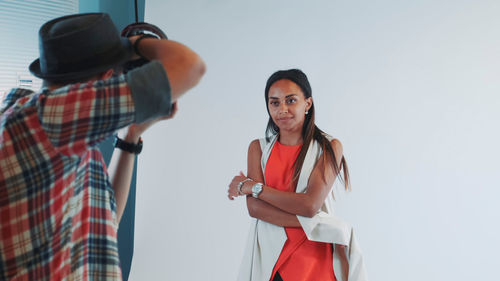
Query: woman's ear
{"x": 309, "y": 103}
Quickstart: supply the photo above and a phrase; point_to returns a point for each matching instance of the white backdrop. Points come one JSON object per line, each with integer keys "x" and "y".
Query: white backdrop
{"x": 411, "y": 88}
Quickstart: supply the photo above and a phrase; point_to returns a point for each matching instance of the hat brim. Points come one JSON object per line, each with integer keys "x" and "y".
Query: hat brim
{"x": 121, "y": 56}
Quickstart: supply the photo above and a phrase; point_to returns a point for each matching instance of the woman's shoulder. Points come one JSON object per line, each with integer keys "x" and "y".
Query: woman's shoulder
{"x": 335, "y": 143}
{"x": 255, "y": 142}
{"x": 262, "y": 142}
{"x": 255, "y": 146}
{"x": 337, "y": 147}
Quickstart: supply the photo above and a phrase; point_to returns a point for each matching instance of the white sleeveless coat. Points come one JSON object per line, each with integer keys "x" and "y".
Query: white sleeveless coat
{"x": 266, "y": 240}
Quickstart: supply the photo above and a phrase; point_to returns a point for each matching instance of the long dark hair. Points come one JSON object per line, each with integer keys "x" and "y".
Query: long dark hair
{"x": 310, "y": 131}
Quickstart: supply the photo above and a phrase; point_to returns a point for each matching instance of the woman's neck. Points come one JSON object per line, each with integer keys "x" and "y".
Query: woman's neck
{"x": 291, "y": 139}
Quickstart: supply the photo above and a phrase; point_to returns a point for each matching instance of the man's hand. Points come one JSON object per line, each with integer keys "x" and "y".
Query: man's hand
{"x": 133, "y": 132}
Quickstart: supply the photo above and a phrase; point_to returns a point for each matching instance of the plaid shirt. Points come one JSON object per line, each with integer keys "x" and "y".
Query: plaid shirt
{"x": 57, "y": 207}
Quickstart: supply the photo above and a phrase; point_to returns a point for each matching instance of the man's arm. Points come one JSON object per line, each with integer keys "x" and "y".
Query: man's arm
{"x": 121, "y": 166}
{"x": 120, "y": 170}
{"x": 183, "y": 66}
{"x": 80, "y": 115}
{"x": 184, "y": 69}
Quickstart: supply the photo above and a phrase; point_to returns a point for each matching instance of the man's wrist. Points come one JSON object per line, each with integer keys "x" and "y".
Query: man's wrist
{"x": 130, "y": 147}
{"x": 137, "y": 43}
{"x": 132, "y": 40}
{"x": 128, "y": 136}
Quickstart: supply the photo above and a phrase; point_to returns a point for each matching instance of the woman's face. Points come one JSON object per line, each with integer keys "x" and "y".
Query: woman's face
{"x": 288, "y": 105}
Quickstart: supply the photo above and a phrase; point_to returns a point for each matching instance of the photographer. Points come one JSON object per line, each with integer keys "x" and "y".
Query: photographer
{"x": 59, "y": 215}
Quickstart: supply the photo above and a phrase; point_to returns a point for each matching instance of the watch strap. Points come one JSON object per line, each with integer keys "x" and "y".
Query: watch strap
{"x": 130, "y": 147}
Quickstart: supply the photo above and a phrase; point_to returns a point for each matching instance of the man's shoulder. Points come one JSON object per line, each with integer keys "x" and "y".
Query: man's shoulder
{"x": 14, "y": 95}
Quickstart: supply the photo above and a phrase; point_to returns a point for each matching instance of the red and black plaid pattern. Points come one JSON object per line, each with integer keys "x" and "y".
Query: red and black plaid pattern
{"x": 57, "y": 207}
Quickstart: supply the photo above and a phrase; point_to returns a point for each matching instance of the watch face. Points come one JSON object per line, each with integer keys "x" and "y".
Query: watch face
{"x": 256, "y": 190}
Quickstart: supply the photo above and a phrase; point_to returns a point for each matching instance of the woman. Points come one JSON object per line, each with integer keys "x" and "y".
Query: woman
{"x": 290, "y": 177}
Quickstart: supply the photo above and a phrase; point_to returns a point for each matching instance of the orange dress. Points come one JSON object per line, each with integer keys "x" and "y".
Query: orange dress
{"x": 300, "y": 258}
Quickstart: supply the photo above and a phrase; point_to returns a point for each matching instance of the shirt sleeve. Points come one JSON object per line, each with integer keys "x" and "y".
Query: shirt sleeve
{"x": 80, "y": 115}
{"x": 151, "y": 91}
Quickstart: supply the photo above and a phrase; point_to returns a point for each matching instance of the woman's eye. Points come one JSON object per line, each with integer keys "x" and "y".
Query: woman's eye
{"x": 291, "y": 101}
{"x": 275, "y": 103}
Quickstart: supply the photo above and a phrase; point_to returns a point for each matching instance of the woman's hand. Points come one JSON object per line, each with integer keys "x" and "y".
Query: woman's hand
{"x": 233, "y": 191}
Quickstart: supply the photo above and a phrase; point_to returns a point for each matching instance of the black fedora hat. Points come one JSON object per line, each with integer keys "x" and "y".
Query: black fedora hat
{"x": 79, "y": 46}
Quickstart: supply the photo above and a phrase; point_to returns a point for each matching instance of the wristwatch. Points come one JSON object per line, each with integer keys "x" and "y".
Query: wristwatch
{"x": 128, "y": 146}
{"x": 256, "y": 190}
